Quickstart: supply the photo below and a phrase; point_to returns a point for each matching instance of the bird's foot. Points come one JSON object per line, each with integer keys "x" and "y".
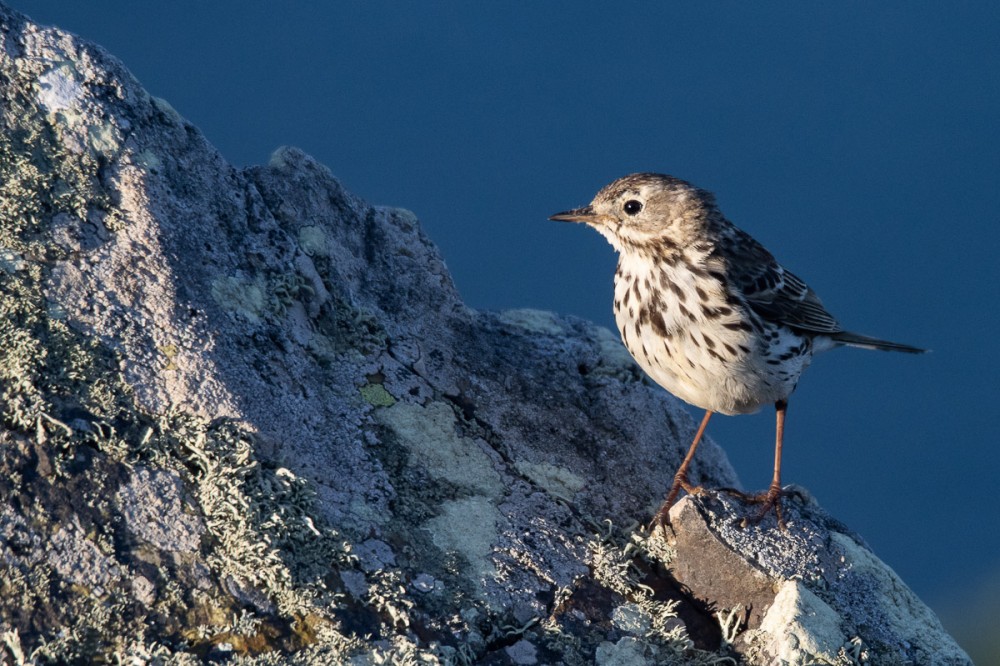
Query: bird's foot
{"x": 662, "y": 517}
{"x": 768, "y": 500}
{"x": 689, "y": 489}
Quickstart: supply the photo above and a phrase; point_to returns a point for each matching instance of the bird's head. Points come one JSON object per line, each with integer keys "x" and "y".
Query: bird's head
{"x": 646, "y": 211}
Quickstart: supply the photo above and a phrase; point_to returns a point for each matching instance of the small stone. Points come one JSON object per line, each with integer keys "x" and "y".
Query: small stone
{"x": 523, "y": 653}
{"x": 424, "y": 582}
{"x": 627, "y": 651}
{"x": 355, "y": 583}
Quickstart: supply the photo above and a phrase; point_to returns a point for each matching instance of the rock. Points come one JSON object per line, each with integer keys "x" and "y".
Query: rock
{"x": 813, "y": 593}
{"x": 245, "y": 414}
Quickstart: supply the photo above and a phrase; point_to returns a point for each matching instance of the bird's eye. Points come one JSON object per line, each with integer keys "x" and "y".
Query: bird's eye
{"x": 632, "y": 207}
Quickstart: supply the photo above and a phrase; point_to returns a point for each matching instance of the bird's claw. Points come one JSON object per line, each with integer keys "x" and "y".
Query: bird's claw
{"x": 768, "y": 500}
{"x": 662, "y": 517}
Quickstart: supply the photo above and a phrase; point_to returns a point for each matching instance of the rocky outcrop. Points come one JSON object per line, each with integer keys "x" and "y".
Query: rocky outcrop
{"x": 245, "y": 415}
{"x": 813, "y": 593}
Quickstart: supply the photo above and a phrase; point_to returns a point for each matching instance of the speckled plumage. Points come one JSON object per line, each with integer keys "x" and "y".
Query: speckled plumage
{"x": 705, "y": 310}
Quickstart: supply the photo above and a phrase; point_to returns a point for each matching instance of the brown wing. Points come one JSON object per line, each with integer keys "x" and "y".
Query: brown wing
{"x": 772, "y": 292}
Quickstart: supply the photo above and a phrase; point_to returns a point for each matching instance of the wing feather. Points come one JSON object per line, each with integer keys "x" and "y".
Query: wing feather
{"x": 774, "y": 293}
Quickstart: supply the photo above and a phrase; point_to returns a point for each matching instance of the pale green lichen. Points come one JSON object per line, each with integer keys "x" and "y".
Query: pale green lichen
{"x": 279, "y": 158}
{"x": 167, "y": 109}
{"x": 104, "y": 139}
{"x": 38, "y": 181}
{"x": 240, "y": 296}
{"x": 631, "y": 619}
{"x": 376, "y": 395}
{"x": 615, "y": 359}
{"x": 285, "y": 289}
{"x": 149, "y": 161}
{"x": 61, "y": 90}
{"x": 534, "y": 321}
{"x": 731, "y": 622}
{"x": 468, "y": 526}
{"x": 558, "y": 481}
{"x": 256, "y": 298}
{"x": 313, "y": 241}
{"x": 430, "y": 434}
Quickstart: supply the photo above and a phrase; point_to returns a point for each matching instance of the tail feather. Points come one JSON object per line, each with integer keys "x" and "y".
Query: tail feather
{"x": 866, "y": 342}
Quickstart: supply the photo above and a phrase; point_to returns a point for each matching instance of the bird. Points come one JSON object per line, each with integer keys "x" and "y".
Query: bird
{"x": 707, "y": 312}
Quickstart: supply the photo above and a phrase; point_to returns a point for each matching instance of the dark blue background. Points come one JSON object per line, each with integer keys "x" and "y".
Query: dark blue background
{"x": 857, "y": 141}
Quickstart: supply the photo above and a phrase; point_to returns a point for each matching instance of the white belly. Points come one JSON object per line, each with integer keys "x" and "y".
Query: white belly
{"x": 703, "y": 357}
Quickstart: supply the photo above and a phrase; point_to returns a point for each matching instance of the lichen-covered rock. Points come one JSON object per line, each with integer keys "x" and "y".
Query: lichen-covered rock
{"x": 813, "y": 593}
{"x": 245, "y": 415}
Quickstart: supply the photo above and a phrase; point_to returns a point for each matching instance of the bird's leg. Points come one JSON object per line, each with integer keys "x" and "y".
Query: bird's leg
{"x": 680, "y": 479}
{"x": 772, "y": 498}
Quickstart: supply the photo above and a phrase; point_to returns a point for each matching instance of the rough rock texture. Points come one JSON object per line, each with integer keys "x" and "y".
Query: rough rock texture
{"x": 811, "y": 594}
{"x": 245, "y": 416}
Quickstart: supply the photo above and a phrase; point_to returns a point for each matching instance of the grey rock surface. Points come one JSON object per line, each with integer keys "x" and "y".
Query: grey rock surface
{"x": 813, "y": 593}
{"x": 246, "y": 416}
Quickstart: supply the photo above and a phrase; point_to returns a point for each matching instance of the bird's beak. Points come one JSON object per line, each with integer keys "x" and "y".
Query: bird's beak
{"x": 585, "y": 214}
